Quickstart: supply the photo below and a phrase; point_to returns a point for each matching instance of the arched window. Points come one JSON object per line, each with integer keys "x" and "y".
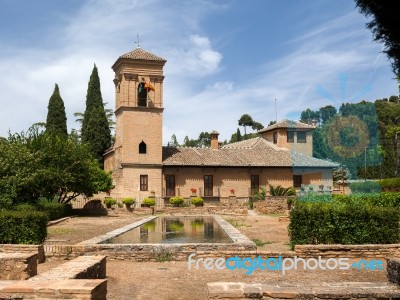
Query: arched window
{"x": 142, "y": 93}
{"x": 142, "y": 148}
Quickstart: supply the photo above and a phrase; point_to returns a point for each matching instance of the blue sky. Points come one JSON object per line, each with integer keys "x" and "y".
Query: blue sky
{"x": 224, "y": 58}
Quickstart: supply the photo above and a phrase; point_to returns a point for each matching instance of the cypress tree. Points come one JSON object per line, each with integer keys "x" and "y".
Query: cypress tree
{"x": 98, "y": 133}
{"x": 56, "y": 122}
{"x": 95, "y": 128}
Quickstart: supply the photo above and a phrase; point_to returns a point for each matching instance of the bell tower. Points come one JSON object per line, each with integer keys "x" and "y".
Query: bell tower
{"x": 136, "y": 157}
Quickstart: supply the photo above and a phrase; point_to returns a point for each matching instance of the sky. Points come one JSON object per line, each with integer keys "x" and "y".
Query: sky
{"x": 225, "y": 58}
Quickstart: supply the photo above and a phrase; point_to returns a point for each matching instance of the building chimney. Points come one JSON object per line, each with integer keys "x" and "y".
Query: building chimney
{"x": 214, "y": 140}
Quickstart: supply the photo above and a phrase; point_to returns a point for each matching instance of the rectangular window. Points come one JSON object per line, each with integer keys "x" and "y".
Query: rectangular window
{"x": 275, "y": 137}
{"x": 144, "y": 182}
{"x": 290, "y": 136}
{"x": 254, "y": 184}
{"x": 208, "y": 185}
{"x": 170, "y": 185}
{"x": 301, "y": 137}
{"x": 297, "y": 181}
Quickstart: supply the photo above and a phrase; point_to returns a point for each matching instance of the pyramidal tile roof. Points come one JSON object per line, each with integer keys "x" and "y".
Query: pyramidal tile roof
{"x": 141, "y": 54}
{"x": 256, "y": 152}
{"x": 288, "y": 124}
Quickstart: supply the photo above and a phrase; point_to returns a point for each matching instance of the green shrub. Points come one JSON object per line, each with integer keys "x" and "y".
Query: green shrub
{"x": 281, "y": 191}
{"x": 365, "y": 187}
{"x": 197, "y": 201}
{"x": 311, "y": 197}
{"x": 341, "y": 222}
{"x": 260, "y": 195}
{"x": 110, "y": 201}
{"x": 25, "y": 207}
{"x": 129, "y": 201}
{"x": 23, "y": 227}
{"x": 149, "y": 201}
{"x": 176, "y": 201}
{"x": 55, "y": 210}
{"x": 391, "y": 184}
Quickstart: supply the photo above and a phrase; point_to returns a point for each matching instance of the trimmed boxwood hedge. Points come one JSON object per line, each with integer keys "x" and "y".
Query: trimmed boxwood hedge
{"x": 54, "y": 210}
{"x": 341, "y": 222}
{"x": 390, "y": 184}
{"x": 365, "y": 187}
{"x": 23, "y": 227}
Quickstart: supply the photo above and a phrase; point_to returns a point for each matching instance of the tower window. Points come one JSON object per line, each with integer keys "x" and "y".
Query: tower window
{"x": 142, "y": 148}
{"x": 142, "y": 93}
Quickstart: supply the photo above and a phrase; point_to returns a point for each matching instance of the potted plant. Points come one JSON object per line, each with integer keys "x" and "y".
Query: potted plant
{"x": 128, "y": 202}
{"x": 109, "y": 202}
{"x": 193, "y": 190}
{"x": 197, "y": 201}
{"x": 149, "y": 202}
{"x": 176, "y": 201}
{"x": 232, "y": 195}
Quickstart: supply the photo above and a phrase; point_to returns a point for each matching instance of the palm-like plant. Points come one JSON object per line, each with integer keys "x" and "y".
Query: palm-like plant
{"x": 281, "y": 191}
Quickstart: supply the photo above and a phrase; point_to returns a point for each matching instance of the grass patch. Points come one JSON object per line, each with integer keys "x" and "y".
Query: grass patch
{"x": 260, "y": 243}
{"x": 237, "y": 223}
{"x": 61, "y": 231}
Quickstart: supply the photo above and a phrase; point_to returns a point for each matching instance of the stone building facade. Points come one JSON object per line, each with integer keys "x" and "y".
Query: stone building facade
{"x": 282, "y": 155}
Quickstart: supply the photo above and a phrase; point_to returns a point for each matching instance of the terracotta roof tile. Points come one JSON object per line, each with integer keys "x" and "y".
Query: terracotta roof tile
{"x": 139, "y": 53}
{"x": 252, "y": 152}
{"x": 288, "y": 124}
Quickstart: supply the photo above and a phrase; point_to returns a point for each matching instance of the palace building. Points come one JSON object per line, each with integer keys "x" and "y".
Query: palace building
{"x": 282, "y": 155}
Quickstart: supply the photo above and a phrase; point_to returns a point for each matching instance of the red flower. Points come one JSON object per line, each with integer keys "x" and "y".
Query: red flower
{"x": 232, "y": 191}
{"x": 193, "y": 190}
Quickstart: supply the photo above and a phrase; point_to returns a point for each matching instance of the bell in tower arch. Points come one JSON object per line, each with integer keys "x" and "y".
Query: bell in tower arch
{"x": 142, "y": 93}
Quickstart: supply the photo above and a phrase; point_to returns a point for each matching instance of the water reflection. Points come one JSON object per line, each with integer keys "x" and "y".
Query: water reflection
{"x": 175, "y": 230}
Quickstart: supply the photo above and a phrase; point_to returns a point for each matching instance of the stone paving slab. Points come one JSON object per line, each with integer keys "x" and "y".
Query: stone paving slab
{"x": 82, "y": 267}
{"x": 282, "y": 290}
{"x": 94, "y": 289}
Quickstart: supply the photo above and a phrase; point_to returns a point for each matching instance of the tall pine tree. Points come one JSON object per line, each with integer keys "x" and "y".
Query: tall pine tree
{"x": 56, "y": 122}
{"x": 95, "y": 128}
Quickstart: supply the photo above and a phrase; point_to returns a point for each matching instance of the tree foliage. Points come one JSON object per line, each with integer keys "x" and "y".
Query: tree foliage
{"x": 365, "y": 134}
{"x": 95, "y": 126}
{"x": 56, "y": 122}
{"x": 245, "y": 120}
{"x": 37, "y": 164}
{"x": 384, "y": 26}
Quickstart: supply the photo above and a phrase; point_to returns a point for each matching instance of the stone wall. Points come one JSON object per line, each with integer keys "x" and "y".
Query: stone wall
{"x": 272, "y": 205}
{"x": 393, "y": 270}
{"x": 20, "y": 248}
{"x": 149, "y": 252}
{"x": 18, "y": 266}
{"x": 348, "y": 251}
{"x": 318, "y": 290}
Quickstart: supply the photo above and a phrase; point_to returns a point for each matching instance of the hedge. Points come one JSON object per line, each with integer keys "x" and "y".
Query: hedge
{"x": 390, "y": 184}
{"x": 365, "y": 187}
{"x": 339, "y": 222}
{"x": 54, "y": 210}
{"x": 23, "y": 227}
